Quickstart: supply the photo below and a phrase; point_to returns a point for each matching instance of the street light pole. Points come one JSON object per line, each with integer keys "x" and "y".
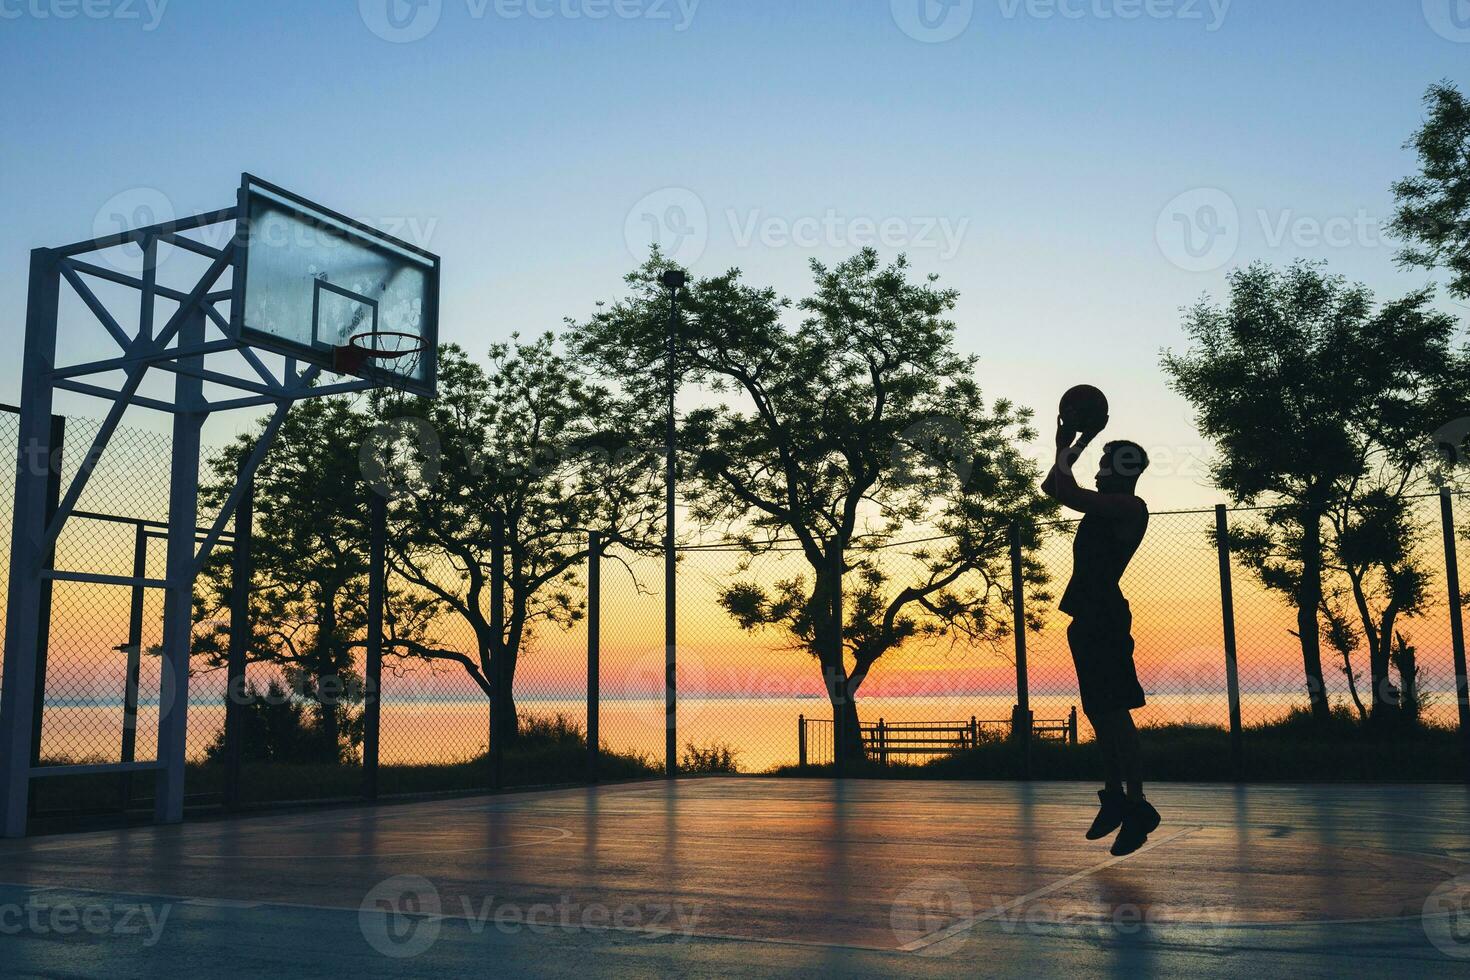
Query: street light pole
{"x": 673, "y": 280}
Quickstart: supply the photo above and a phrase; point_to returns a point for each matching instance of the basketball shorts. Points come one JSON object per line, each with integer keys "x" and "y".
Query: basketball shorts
{"x": 1102, "y": 651}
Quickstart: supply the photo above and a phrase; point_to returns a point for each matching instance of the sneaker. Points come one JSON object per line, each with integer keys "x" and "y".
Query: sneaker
{"x": 1139, "y": 820}
{"x": 1109, "y": 814}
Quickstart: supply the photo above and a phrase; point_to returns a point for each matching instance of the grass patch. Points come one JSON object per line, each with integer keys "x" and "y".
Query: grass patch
{"x": 549, "y": 751}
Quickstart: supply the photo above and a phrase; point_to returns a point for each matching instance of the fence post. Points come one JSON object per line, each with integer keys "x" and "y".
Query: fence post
{"x": 1021, "y": 714}
{"x": 134, "y": 650}
{"x": 497, "y": 653}
{"x": 1227, "y": 616}
{"x": 1457, "y": 626}
{"x": 974, "y": 733}
{"x": 43, "y": 622}
{"x": 594, "y": 651}
{"x": 178, "y": 597}
{"x": 882, "y": 741}
{"x": 28, "y": 524}
{"x": 377, "y": 602}
{"x": 1072, "y": 726}
{"x": 839, "y": 716}
{"x": 241, "y": 559}
{"x": 801, "y": 741}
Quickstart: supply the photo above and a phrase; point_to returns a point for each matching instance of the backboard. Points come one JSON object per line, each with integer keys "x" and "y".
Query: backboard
{"x": 309, "y": 280}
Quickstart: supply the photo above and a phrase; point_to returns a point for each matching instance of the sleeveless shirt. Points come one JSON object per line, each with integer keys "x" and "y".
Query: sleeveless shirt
{"x": 1101, "y": 550}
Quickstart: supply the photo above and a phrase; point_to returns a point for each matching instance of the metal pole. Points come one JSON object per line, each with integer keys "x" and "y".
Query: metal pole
{"x": 1021, "y": 716}
{"x": 673, "y": 280}
{"x": 27, "y": 551}
{"x": 1457, "y": 626}
{"x": 1227, "y": 615}
{"x": 801, "y": 740}
{"x": 377, "y": 599}
{"x": 839, "y": 716}
{"x": 594, "y": 651}
{"x": 241, "y": 560}
{"x": 183, "y": 523}
{"x": 135, "y": 663}
{"x": 43, "y": 621}
{"x": 498, "y": 700}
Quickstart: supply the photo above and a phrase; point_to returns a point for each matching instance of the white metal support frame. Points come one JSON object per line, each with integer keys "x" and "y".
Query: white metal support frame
{"x": 181, "y": 347}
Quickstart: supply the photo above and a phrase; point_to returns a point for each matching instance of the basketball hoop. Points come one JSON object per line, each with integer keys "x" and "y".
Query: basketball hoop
{"x": 393, "y": 350}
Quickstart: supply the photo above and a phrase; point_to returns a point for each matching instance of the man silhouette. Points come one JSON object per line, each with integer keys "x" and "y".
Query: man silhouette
{"x": 1114, "y": 520}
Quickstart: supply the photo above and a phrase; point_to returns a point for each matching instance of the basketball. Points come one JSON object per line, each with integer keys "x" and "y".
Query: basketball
{"x": 1084, "y": 409}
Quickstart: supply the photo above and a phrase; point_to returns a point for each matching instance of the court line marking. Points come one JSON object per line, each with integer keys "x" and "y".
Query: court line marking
{"x": 968, "y": 923}
{"x": 656, "y": 933}
{"x": 643, "y": 932}
{"x": 562, "y": 834}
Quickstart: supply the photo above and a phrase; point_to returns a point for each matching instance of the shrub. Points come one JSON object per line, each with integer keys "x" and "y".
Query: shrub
{"x": 713, "y": 757}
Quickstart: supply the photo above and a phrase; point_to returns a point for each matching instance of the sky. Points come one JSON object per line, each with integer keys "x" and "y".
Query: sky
{"x": 1079, "y": 170}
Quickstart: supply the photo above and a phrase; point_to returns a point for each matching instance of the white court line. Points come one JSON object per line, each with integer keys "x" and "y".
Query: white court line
{"x": 966, "y": 924}
{"x": 561, "y": 833}
{"x": 646, "y": 932}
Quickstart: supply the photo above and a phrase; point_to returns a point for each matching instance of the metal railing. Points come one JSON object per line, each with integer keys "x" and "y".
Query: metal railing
{"x": 885, "y": 741}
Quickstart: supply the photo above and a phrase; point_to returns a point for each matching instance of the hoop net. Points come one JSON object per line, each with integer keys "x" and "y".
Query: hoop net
{"x": 392, "y": 351}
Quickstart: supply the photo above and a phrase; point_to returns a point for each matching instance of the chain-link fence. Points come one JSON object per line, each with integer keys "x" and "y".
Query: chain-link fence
{"x": 749, "y": 699}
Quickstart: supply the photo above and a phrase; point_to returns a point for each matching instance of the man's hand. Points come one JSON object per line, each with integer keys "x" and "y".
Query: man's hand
{"x": 1088, "y": 435}
{"x": 1065, "y": 434}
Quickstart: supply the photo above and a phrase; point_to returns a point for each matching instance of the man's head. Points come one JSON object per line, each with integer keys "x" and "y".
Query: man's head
{"x": 1122, "y": 464}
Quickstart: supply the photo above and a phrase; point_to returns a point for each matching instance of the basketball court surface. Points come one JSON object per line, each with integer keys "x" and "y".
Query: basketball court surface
{"x": 751, "y": 876}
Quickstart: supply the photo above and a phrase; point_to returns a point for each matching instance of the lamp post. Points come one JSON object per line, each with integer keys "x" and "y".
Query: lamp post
{"x": 673, "y": 280}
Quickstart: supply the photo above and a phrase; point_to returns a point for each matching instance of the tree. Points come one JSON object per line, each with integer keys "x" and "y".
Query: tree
{"x": 841, "y": 432}
{"x": 1320, "y": 408}
{"x": 308, "y": 590}
{"x": 1433, "y": 213}
{"x": 531, "y": 456}
{"x": 1375, "y": 539}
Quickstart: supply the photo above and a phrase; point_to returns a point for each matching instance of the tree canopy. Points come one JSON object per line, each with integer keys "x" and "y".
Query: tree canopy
{"x": 1433, "y": 206}
{"x": 1321, "y": 403}
{"x": 840, "y": 431}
